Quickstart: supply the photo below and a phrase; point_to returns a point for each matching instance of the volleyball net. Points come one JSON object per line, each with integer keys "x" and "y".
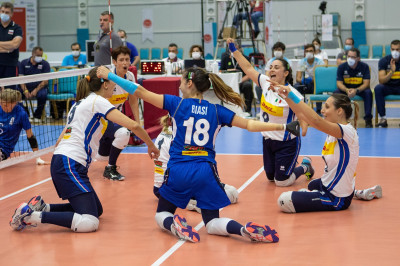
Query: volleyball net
{"x": 18, "y": 115}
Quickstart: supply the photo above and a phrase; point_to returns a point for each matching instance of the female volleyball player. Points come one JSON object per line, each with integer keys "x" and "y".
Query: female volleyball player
{"x": 73, "y": 154}
{"x": 192, "y": 170}
{"x": 335, "y": 189}
{"x": 280, "y": 149}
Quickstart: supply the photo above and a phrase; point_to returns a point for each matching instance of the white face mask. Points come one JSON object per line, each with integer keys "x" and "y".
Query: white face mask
{"x": 76, "y": 53}
{"x": 172, "y": 55}
{"x": 351, "y": 61}
{"x": 316, "y": 47}
{"x": 38, "y": 59}
{"x": 309, "y": 55}
{"x": 123, "y": 39}
{"x": 196, "y": 55}
{"x": 278, "y": 54}
{"x": 4, "y": 17}
{"x": 395, "y": 54}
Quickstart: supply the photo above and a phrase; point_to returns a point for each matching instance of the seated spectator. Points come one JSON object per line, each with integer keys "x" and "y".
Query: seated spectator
{"x": 353, "y": 78}
{"x": 228, "y": 63}
{"x": 278, "y": 51}
{"x": 30, "y": 66}
{"x": 196, "y": 52}
{"x": 177, "y": 63}
{"x": 257, "y": 9}
{"x": 76, "y": 57}
{"x": 134, "y": 56}
{"x": 342, "y": 57}
{"x": 318, "y": 52}
{"x": 389, "y": 80}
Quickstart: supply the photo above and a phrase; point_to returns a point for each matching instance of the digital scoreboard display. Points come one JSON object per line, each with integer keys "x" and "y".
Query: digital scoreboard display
{"x": 152, "y": 67}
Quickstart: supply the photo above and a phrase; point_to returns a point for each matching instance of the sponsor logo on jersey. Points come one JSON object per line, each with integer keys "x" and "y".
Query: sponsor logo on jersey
{"x": 396, "y": 75}
{"x": 67, "y": 134}
{"x": 11, "y": 32}
{"x": 270, "y": 108}
{"x": 159, "y": 170}
{"x": 329, "y": 148}
{"x": 353, "y": 80}
{"x": 194, "y": 151}
{"x": 158, "y": 163}
{"x": 118, "y": 99}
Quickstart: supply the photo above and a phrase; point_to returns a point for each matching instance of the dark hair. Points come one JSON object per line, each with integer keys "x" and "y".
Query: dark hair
{"x": 8, "y": 5}
{"x": 203, "y": 81}
{"x": 316, "y": 40}
{"x": 122, "y": 31}
{"x": 395, "y": 42}
{"x": 343, "y": 101}
{"x": 195, "y": 46}
{"x": 104, "y": 13}
{"x": 286, "y": 65}
{"x": 354, "y": 50}
{"x": 88, "y": 84}
{"x": 173, "y": 45}
{"x": 37, "y": 48}
{"x": 120, "y": 50}
{"x": 76, "y": 43}
{"x": 308, "y": 46}
{"x": 351, "y": 39}
{"x": 279, "y": 45}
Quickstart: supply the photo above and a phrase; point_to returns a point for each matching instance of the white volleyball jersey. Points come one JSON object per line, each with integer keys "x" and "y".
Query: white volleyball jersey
{"x": 163, "y": 143}
{"x": 85, "y": 126}
{"x": 120, "y": 95}
{"x": 274, "y": 109}
{"x": 341, "y": 158}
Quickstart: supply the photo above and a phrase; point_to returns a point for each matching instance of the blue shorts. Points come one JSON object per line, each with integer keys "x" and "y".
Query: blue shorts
{"x": 69, "y": 177}
{"x": 108, "y": 138}
{"x": 198, "y": 180}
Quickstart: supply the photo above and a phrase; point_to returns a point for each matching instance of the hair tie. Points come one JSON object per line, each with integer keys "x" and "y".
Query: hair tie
{"x": 190, "y": 75}
{"x": 88, "y": 78}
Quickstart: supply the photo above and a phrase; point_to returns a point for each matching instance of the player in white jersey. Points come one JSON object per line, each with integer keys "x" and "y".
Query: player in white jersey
{"x": 334, "y": 191}
{"x": 163, "y": 143}
{"x": 75, "y": 148}
{"x": 116, "y": 137}
{"x": 192, "y": 170}
{"x": 280, "y": 149}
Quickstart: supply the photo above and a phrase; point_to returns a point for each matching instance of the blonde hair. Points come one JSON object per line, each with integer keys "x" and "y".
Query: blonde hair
{"x": 10, "y": 96}
{"x": 165, "y": 123}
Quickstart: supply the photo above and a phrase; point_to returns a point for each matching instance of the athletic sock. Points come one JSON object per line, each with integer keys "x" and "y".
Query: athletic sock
{"x": 234, "y": 227}
{"x": 114, "y": 154}
{"x": 34, "y": 218}
{"x": 47, "y": 208}
{"x": 300, "y": 170}
{"x": 168, "y": 222}
{"x": 65, "y": 207}
{"x": 58, "y": 218}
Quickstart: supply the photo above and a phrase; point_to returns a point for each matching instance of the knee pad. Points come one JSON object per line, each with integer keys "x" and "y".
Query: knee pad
{"x": 217, "y": 226}
{"x": 84, "y": 223}
{"x": 232, "y": 193}
{"x": 285, "y": 202}
{"x": 161, "y": 216}
{"x": 287, "y": 182}
{"x": 121, "y": 138}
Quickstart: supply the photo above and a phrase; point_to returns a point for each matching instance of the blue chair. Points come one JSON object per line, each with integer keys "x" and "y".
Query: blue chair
{"x": 364, "y": 50}
{"x": 377, "y": 51}
{"x": 180, "y": 53}
{"x": 388, "y": 50}
{"x": 248, "y": 50}
{"x": 144, "y": 54}
{"x": 220, "y": 52}
{"x": 324, "y": 83}
{"x": 155, "y": 53}
{"x": 165, "y": 52}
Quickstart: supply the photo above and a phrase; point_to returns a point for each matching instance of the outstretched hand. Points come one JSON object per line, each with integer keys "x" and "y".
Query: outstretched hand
{"x": 102, "y": 72}
{"x": 283, "y": 91}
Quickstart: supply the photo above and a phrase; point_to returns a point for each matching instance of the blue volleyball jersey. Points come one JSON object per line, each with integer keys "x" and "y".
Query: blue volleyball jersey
{"x": 11, "y": 125}
{"x": 196, "y": 124}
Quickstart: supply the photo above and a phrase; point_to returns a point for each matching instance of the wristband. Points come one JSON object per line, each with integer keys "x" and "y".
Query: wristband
{"x": 127, "y": 85}
{"x": 232, "y": 47}
{"x": 293, "y": 97}
{"x": 25, "y": 91}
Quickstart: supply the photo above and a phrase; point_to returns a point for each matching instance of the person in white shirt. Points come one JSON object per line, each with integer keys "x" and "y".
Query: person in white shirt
{"x": 278, "y": 51}
{"x": 172, "y": 59}
{"x": 320, "y": 54}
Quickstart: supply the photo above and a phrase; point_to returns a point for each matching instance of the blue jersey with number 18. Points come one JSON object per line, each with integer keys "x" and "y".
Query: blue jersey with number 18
{"x": 196, "y": 124}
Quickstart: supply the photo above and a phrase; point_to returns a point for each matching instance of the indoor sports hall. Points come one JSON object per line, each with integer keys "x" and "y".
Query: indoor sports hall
{"x": 171, "y": 37}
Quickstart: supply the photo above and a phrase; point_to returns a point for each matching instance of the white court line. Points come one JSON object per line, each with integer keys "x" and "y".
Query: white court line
{"x": 175, "y": 247}
{"x": 25, "y": 188}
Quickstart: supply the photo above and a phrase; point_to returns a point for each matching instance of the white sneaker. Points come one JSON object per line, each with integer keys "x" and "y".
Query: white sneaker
{"x": 369, "y": 193}
{"x": 17, "y": 220}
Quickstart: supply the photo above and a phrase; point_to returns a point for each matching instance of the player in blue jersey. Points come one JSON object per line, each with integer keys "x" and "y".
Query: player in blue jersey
{"x": 75, "y": 148}
{"x": 192, "y": 170}
{"x": 13, "y": 119}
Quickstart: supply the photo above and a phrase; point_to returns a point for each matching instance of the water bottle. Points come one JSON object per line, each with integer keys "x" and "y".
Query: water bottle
{"x": 215, "y": 67}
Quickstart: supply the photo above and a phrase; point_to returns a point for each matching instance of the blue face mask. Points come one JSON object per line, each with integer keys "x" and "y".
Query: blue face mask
{"x": 347, "y": 47}
{"x": 4, "y": 17}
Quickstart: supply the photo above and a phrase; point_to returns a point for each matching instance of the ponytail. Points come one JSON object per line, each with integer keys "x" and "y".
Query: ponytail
{"x": 165, "y": 122}
{"x": 90, "y": 83}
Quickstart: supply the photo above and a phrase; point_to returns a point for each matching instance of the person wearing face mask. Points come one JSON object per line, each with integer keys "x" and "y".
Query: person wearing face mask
{"x": 353, "y": 78}
{"x": 134, "y": 55}
{"x": 318, "y": 52}
{"x": 76, "y": 57}
{"x": 10, "y": 40}
{"x": 278, "y": 51}
{"x": 177, "y": 63}
{"x": 196, "y": 52}
{"x": 342, "y": 57}
{"x": 389, "y": 80}
{"x": 31, "y": 66}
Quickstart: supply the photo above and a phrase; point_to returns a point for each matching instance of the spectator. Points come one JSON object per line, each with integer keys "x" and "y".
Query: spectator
{"x": 342, "y": 57}
{"x": 102, "y": 53}
{"x": 389, "y": 80}
{"x": 10, "y": 40}
{"x": 278, "y": 51}
{"x": 196, "y": 52}
{"x": 177, "y": 63}
{"x": 229, "y": 63}
{"x": 76, "y": 57}
{"x": 30, "y": 66}
{"x": 318, "y": 52}
{"x": 134, "y": 55}
{"x": 353, "y": 78}
{"x": 257, "y": 9}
